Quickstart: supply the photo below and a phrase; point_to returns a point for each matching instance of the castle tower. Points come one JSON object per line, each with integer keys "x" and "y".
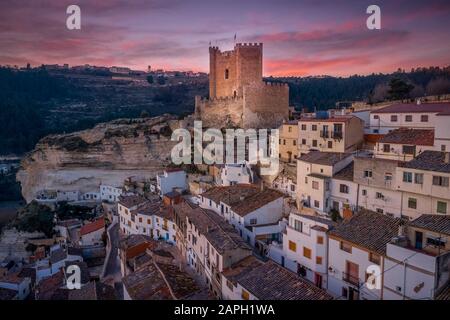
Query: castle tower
{"x": 231, "y": 70}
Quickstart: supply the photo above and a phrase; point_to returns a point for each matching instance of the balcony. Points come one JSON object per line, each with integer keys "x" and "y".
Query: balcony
{"x": 324, "y": 134}
{"x": 349, "y": 278}
{"x": 337, "y": 135}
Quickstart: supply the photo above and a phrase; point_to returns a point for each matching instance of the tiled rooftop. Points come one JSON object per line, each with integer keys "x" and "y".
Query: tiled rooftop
{"x": 129, "y": 201}
{"x": 324, "y": 158}
{"x": 433, "y": 222}
{"x": 242, "y": 199}
{"x": 421, "y": 137}
{"x": 270, "y": 281}
{"x": 368, "y": 229}
{"x": 442, "y": 107}
{"x": 219, "y": 233}
{"x": 93, "y": 226}
{"x": 336, "y": 118}
{"x": 430, "y": 161}
{"x": 346, "y": 173}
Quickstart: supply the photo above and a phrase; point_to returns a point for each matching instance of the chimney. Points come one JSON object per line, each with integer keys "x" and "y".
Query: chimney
{"x": 419, "y": 101}
{"x": 401, "y": 231}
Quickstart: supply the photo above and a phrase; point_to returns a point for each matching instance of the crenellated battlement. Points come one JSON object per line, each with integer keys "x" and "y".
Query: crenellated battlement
{"x": 275, "y": 84}
{"x": 221, "y": 99}
{"x": 249, "y": 44}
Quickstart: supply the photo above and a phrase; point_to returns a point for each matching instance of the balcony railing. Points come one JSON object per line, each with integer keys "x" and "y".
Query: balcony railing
{"x": 347, "y": 277}
{"x": 337, "y": 135}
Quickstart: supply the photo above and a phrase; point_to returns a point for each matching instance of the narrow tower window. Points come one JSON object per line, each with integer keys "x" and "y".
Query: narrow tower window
{"x": 226, "y": 73}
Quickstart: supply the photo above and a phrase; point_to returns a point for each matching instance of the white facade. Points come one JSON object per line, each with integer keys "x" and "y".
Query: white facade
{"x": 67, "y": 195}
{"x": 169, "y": 180}
{"x": 232, "y": 174}
{"x": 110, "y": 193}
{"x": 305, "y": 251}
{"x": 341, "y": 281}
{"x": 22, "y": 286}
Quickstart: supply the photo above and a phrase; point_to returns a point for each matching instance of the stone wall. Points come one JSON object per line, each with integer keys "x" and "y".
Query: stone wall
{"x": 266, "y": 105}
{"x": 220, "y": 112}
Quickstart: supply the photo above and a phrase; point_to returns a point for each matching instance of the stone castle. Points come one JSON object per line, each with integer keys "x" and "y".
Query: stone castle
{"x": 238, "y": 96}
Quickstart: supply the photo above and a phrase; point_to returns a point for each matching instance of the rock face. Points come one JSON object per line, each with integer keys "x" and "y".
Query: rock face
{"x": 108, "y": 154}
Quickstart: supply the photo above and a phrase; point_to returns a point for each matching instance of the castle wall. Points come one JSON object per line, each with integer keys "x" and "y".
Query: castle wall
{"x": 220, "y": 112}
{"x": 266, "y": 105}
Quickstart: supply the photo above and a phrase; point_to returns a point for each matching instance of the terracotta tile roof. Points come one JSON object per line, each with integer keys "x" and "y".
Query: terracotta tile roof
{"x": 373, "y": 137}
{"x": 49, "y": 285}
{"x": 421, "y": 137}
{"x": 240, "y": 268}
{"x": 129, "y": 201}
{"x": 324, "y": 158}
{"x": 256, "y": 201}
{"x": 346, "y": 173}
{"x": 368, "y": 229}
{"x": 93, "y": 291}
{"x": 242, "y": 199}
{"x": 429, "y": 161}
{"x": 182, "y": 284}
{"x": 344, "y": 118}
{"x": 230, "y": 194}
{"x": 147, "y": 284}
{"x": 444, "y": 294}
{"x": 328, "y": 222}
{"x": 433, "y": 222}
{"x": 93, "y": 226}
{"x": 12, "y": 278}
{"x": 216, "y": 230}
{"x": 441, "y": 107}
{"x": 270, "y": 281}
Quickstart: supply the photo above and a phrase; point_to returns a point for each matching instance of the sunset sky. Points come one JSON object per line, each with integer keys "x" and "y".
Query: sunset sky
{"x": 302, "y": 37}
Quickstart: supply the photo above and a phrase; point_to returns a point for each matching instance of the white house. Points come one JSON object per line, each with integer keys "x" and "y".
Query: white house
{"x": 305, "y": 247}
{"x": 356, "y": 250}
{"x": 170, "y": 179}
{"x": 67, "y": 195}
{"x": 92, "y": 233}
{"x": 417, "y": 260}
{"x": 110, "y": 193}
{"x": 231, "y": 174}
{"x": 344, "y": 191}
{"x": 314, "y": 173}
{"x": 286, "y": 181}
{"x": 255, "y": 213}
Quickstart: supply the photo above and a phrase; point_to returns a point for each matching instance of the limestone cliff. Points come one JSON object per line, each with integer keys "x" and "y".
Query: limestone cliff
{"x": 108, "y": 154}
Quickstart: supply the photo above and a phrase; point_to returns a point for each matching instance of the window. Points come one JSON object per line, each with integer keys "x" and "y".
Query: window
{"x": 418, "y": 178}
{"x": 292, "y": 246}
{"x": 319, "y": 239}
{"x": 140, "y": 219}
{"x": 408, "y": 118}
{"x": 379, "y": 195}
{"x": 394, "y": 118}
{"x": 386, "y": 148}
{"x": 412, "y": 203}
{"x": 424, "y": 118}
{"x": 303, "y": 141}
{"x": 315, "y": 185}
{"x": 306, "y": 180}
{"x": 437, "y": 242}
{"x": 376, "y": 116}
{"x": 253, "y": 221}
{"x": 343, "y": 188}
{"x": 388, "y": 176}
{"x": 227, "y": 74}
{"x": 294, "y": 142}
{"x": 409, "y": 150}
{"x": 376, "y": 131}
{"x": 298, "y": 225}
{"x": 440, "y": 181}
{"x": 245, "y": 295}
{"x": 304, "y": 127}
{"x": 441, "y": 207}
{"x": 407, "y": 177}
{"x": 314, "y": 143}
{"x": 316, "y": 204}
{"x": 381, "y": 211}
{"x": 364, "y": 192}
{"x": 345, "y": 247}
{"x": 443, "y": 148}
{"x": 289, "y": 129}
{"x": 314, "y": 127}
{"x": 307, "y": 252}
{"x": 292, "y": 187}
{"x": 330, "y": 144}
{"x": 367, "y": 173}
{"x": 284, "y": 142}
{"x": 318, "y": 260}
{"x": 375, "y": 258}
